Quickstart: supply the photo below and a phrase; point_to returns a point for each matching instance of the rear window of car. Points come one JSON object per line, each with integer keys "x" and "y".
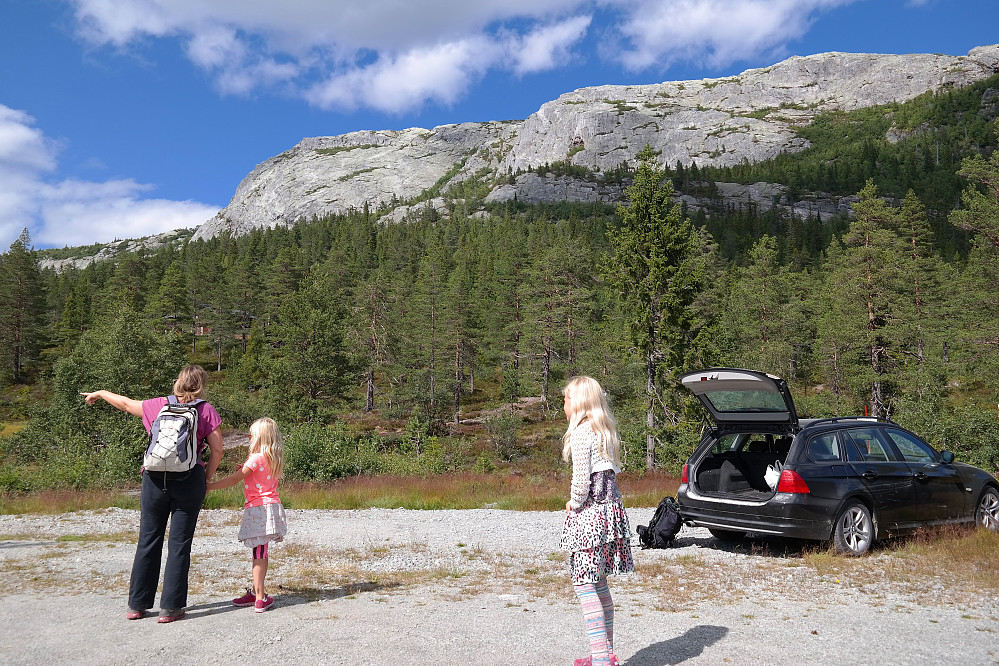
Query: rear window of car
{"x": 746, "y": 401}
{"x": 823, "y": 448}
{"x": 865, "y": 444}
{"x": 912, "y": 449}
{"x": 728, "y": 443}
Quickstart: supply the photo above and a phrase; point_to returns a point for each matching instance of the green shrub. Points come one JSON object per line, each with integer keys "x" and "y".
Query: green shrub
{"x": 502, "y": 431}
{"x": 13, "y": 480}
{"x": 319, "y": 452}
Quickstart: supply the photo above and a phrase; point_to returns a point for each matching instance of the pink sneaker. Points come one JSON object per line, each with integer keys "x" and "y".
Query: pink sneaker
{"x": 263, "y": 604}
{"x": 247, "y": 599}
{"x": 588, "y": 661}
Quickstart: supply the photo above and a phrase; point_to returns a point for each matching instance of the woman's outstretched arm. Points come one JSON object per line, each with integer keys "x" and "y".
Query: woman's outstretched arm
{"x": 120, "y": 402}
{"x": 230, "y": 480}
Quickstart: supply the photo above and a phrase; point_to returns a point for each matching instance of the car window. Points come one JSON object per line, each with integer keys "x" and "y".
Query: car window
{"x": 823, "y": 448}
{"x": 746, "y": 401}
{"x": 913, "y": 450}
{"x": 864, "y": 444}
{"x": 727, "y": 443}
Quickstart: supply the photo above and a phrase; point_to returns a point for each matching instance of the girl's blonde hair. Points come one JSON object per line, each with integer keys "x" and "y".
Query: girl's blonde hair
{"x": 266, "y": 439}
{"x": 190, "y": 383}
{"x": 589, "y": 404}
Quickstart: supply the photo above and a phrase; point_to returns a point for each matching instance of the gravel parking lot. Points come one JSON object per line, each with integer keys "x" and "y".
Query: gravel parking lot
{"x": 387, "y": 586}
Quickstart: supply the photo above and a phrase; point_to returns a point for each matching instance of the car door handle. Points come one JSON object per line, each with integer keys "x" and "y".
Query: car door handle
{"x": 921, "y": 476}
{"x": 869, "y": 475}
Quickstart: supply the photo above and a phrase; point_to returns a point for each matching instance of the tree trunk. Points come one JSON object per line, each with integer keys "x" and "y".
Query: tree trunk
{"x": 546, "y": 368}
{"x": 650, "y": 417}
{"x": 369, "y": 401}
{"x": 877, "y": 389}
{"x": 457, "y": 382}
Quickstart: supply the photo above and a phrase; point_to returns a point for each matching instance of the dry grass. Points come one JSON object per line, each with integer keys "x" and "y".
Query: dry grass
{"x": 952, "y": 562}
{"x": 518, "y": 491}
{"x": 48, "y": 502}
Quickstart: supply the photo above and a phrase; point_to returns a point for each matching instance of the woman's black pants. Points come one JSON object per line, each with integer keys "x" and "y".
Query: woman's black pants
{"x": 166, "y": 496}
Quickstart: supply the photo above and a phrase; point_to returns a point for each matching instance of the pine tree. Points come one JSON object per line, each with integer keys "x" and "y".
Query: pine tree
{"x": 556, "y": 306}
{"x": 865, "y": 286}
{"x": 22, "y": 307}
{"x": 658, "y": 270}
{"x": 426, "y": 330}
{"x": 759, "y": 319}
{"x": 312, "y": 368}
{"x": 170, "y": 306}
{"x": 373, "y": 328}
{"x": 981, "y": 199}
{"x": 981, "y": 215}
{"x": 458, "y": 320}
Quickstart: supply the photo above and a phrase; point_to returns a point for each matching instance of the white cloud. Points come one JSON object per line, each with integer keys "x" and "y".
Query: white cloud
{"x": 60, "y": 212}
{"x": 383, "y": 54}
{"x": 656, "y": 33}
{"x": 396, "y": 56}
{"x": 397, "y": 84}
{"x": 549, "y": 46}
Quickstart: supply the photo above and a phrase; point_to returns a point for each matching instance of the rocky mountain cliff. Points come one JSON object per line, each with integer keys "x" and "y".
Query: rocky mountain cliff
{"x": 720, "y": 122}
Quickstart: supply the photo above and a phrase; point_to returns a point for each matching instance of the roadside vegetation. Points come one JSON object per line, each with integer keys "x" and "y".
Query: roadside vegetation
{"x": 420, "y": 364}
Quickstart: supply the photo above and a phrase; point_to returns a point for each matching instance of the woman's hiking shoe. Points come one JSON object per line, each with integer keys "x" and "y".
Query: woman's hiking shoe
{"x": 260, "y": 605}
{"x": 133, "y": 614}
{"x": 170, "y": 615}
{"x": 247, "y": 599}
{"x": 583, "y": 662}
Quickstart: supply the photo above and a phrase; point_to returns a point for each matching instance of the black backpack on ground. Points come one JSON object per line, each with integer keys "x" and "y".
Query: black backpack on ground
{"x": 666, "y": 523}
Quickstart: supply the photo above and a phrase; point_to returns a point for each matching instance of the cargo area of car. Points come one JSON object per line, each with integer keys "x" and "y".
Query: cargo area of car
{"x": 741, "y": 470}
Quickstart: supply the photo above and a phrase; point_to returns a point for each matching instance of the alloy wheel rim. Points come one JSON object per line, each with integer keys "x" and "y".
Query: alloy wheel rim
{"x": 989, "y": 510}
{"x": 856, "y": 530}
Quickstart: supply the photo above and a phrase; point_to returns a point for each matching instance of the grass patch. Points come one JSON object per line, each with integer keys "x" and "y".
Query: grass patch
{"x": 961, "y": 563}
{"x": 49, "y": 502}
{"x": 10, "y": 429}
{"x": 342, "y": 149}
{"x": 516, "y": 491}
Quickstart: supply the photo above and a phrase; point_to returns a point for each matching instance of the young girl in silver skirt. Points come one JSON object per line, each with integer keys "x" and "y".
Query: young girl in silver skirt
{"x": 263, "y": 516}
{"x": 596, "y": 531}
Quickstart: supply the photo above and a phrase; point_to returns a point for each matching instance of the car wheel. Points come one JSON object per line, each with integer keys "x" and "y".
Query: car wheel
{"x": 988, "y": 510}
{"x": 726, "y": 535}
{"x": 854, "y": 530}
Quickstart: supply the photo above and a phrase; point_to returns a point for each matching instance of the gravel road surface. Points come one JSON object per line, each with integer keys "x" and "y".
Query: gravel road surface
{"x": 394, "y": 586}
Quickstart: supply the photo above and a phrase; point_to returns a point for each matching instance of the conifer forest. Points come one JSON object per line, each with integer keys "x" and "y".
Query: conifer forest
{"x": 401, "y": 348}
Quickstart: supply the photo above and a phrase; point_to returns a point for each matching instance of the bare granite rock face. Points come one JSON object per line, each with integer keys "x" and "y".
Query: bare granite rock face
{"x": 325, "y": 175}
{"x": 718, "y": 122}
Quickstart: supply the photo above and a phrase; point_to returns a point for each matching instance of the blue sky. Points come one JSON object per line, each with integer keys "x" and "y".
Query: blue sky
{"x": 124, "y": 118}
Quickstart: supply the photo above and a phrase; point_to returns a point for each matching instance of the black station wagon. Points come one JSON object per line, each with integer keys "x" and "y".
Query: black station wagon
{"x": 850, "y": 481}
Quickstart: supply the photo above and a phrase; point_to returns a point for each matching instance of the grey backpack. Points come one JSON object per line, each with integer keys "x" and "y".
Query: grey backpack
{"x": 173, "y": 438}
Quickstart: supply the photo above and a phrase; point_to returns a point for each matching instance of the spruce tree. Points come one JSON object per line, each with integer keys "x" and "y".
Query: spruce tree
{"x": 657, "y": 270}
{"x": 311, "y": 368}
{"x": 22, "y": 308}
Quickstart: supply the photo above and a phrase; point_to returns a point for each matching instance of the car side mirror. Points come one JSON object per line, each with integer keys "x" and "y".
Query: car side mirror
{"x": 946, "y": 457}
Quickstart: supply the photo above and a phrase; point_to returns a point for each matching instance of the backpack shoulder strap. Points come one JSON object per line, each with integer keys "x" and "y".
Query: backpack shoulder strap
{"x": 172, "y": 399}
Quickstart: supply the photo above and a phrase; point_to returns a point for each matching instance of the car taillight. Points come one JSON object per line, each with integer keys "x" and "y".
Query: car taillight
{"x": 683, "y": 474}
{"x": 791, "y": 482}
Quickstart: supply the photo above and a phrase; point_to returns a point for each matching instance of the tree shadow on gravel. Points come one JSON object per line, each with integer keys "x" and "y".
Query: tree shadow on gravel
{"x": 680, "y": 649}
{"x": 285, "y": 596}
{"x": 293, "y": 595}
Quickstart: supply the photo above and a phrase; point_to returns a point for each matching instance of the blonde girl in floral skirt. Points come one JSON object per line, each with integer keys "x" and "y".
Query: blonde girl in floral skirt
{"x": 596, "y": 531}
{"x": 263, "y": 516}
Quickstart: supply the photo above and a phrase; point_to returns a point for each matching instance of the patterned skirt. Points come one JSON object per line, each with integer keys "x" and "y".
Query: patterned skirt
{"x": 598, "y": 536}
{"x": 262, "y": 524}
